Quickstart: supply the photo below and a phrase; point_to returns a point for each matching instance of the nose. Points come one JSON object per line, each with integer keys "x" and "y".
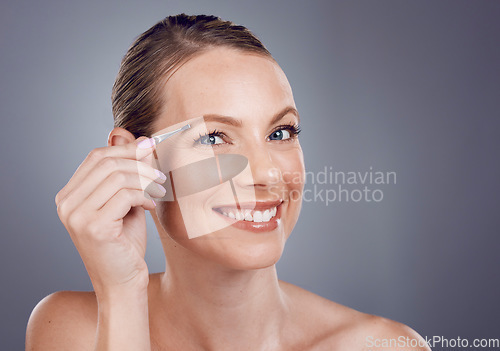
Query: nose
{"x": 265, "y": 171}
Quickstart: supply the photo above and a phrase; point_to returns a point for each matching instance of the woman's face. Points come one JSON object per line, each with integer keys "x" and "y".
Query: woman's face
{"x": 239, "y": 104}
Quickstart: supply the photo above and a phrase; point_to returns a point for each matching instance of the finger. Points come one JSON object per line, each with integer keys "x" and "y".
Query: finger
{"x": 104, "y": 169}
{"x": 110, "y": 186}
{"x": 137, "y": 150}
{"x": 120, "y": 204}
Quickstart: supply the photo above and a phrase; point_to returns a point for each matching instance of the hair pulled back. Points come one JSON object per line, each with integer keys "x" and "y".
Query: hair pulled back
{"x": 157, "y": 53}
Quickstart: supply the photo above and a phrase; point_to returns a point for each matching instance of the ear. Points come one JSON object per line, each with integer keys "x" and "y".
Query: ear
{"x": 120, "y": 136}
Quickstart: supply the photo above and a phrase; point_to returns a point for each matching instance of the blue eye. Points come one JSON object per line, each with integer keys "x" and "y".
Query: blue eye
{"x": 281, "y": 134}
{"x": 285, "y": 132}
{"x": 213, "y": 138}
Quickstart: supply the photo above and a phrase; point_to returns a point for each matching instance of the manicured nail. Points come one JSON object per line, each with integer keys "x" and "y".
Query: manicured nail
{"x": 161, "y": 188}
{"x": 160, "y": 175}
{"x": 146, "y": 144}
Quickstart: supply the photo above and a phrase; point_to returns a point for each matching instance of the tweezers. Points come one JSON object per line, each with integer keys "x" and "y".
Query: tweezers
{"x": 162, "y": 137}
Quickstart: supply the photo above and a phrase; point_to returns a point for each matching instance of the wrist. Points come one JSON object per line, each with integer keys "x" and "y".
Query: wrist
{"x": 121, "y": 295}
{"x": 134, "y": 288}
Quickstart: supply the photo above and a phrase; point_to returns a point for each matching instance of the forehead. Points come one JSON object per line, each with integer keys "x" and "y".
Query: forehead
{"x": 227, "y": 82}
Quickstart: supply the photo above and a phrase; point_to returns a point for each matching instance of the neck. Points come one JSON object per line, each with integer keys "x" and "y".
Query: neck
{"x": 211, "y": 307}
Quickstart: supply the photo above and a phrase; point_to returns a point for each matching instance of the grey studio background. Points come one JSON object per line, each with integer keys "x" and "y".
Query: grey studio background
{"x": 405, "y": 86}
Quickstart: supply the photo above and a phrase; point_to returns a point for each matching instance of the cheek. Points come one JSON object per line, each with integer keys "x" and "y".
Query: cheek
{"x": 193, "y": 216}
{"x": 291, "y": 165}
{"x": 170, "y": 218}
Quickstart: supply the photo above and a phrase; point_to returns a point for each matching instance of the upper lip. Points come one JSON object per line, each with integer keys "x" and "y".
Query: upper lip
{"x": 257, "y": 205}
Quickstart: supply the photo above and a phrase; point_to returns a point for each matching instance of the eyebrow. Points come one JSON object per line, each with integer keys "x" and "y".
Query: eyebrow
{"x": 284, "y": 112}
{"x": 237, "y": 122}
{"x": 222, "y": 119}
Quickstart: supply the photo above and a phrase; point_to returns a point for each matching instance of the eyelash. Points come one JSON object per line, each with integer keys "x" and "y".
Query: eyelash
{"x": 214, "y": 133}
{"x": 293, "y": 128}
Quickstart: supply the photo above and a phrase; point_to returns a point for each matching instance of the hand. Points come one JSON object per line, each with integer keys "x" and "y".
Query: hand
{"x": 103, "y": 208}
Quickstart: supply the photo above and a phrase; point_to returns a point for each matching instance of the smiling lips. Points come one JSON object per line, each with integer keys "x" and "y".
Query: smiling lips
{"x": 258, "y": 217}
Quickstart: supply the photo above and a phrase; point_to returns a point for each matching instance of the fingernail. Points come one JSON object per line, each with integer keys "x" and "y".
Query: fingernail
{"x": 146, "y": 144}
{"x": 161, "y": 188}
{"x": 160, "y": 175}
{"x": 154, "y": 203}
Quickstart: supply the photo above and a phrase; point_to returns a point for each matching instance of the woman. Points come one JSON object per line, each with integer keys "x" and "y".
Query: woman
{"x": 219, "y": 290}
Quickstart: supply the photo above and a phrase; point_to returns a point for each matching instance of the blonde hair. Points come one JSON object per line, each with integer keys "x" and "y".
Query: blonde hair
{"x": 158, "y": 52}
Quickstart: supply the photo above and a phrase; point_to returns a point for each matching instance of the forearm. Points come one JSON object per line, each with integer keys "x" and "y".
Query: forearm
{"x": 123, "y": 322}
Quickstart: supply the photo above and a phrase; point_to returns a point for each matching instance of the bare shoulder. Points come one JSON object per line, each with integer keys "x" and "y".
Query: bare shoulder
{"x": 63, "y": 320}
{"x": 374, "y": 332}
{"x": 327, "y": 325}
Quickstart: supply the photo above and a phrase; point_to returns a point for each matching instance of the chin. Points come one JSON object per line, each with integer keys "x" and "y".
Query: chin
{"x": 252, "y": 256}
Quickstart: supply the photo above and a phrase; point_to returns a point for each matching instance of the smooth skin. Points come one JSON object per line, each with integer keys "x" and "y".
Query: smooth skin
{"x": 219, "y": 291}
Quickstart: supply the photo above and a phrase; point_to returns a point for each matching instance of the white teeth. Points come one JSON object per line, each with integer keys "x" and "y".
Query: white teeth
{"x": 257, "y": 216}
{"x": 266, "y": 216}
{"x": 249, "y": 215}
{"x": 239, "y": 216}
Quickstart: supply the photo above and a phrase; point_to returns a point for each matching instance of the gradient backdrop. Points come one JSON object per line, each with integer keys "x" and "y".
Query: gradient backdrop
{"x": 405, "y": 86}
